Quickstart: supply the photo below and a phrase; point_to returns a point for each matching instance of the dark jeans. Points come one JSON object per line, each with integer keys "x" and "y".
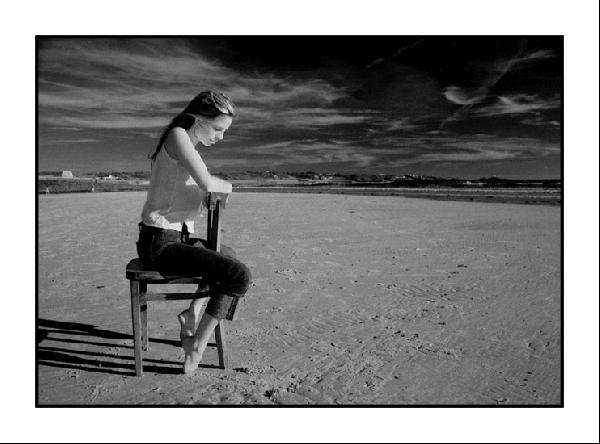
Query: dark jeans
{"x": 227, "y": 277}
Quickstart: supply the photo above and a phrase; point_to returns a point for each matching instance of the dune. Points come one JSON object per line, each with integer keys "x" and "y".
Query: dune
{"x": 369, "y": 300}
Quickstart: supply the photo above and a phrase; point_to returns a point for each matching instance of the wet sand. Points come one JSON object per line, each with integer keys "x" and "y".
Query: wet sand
{"x": 355, "y": 300}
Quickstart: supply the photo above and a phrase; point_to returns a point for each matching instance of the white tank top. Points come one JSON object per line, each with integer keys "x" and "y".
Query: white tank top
{"x": 173, "y": 197}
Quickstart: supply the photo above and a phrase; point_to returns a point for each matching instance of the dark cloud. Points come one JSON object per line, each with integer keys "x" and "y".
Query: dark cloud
{"x": 400, "y": 91}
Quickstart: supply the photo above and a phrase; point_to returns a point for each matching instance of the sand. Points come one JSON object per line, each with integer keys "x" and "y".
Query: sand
{"x": 355, "y": 300}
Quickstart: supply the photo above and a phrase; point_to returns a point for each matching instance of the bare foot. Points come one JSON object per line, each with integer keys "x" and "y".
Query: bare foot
{"x": 193, "y": 355}
{"x": 188, "y": 322}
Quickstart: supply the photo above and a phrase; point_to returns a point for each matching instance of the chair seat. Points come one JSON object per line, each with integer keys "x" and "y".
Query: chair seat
{"x": 137, "y": 271}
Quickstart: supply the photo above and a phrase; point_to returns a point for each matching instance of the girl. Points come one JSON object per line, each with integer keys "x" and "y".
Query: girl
{"x": 179, "y": 185}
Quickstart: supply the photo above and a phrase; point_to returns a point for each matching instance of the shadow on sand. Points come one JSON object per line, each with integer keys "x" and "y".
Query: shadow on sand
{"x": 77, "y": 337}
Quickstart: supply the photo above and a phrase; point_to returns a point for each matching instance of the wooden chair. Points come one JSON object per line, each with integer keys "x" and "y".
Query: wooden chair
{"x": 140, "y": 277}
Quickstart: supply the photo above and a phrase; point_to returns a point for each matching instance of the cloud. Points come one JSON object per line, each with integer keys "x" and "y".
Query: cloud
{"x": 273, "y": 92}
{"x": 401, "y": 151}
{"x": 45, "y": 142}
{"x": 115, "y": 121}
{"x": 462, "y": 96}
{"x": 396, "y": 124}
{"x": 137, "y": 83}
{"x": 308, "y": 152}
{"x": 536, "y": 55}
{"x": 486, "y": 147}
{"x": 472, "y": 156}
{"x": 316, "y": 117}
{"x": 539, "y": 121}
{"x": 117, "y": 61}
{"x": 469, "y": 97}
{"x": 474, "y": 149}
{"x": 518, "y": 104}
{"x": 472, "y": 96}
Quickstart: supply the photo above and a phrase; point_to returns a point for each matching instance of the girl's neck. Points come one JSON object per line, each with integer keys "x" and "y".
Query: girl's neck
{"x": 190, "y": 133}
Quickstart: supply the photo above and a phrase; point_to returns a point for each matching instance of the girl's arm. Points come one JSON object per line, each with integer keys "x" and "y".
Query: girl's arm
{"x": 178, "y": 145}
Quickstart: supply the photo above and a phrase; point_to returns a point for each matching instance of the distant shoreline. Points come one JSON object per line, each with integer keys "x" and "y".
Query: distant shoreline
{"x": 526, "y": 196}
{"x": 518, "y": 196}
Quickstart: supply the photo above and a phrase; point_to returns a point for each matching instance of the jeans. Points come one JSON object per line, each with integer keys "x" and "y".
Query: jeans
{"x": 227, "y": 277}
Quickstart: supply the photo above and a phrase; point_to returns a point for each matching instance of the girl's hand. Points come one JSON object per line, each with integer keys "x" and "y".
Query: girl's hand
{"x": 219, "y": 186}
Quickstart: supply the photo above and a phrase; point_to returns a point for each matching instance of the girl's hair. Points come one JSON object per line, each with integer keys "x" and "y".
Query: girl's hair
{"x": 209, "y": 104}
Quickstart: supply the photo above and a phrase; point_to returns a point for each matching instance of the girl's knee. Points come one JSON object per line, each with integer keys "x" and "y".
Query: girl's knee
{"x": 247, "y": 276}
{"x": 243, "y": 278}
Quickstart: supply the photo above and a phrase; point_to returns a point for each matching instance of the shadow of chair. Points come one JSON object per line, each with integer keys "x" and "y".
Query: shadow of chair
{"x": 75, "y": 353}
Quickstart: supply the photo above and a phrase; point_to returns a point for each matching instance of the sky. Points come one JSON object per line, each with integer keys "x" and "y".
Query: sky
{"x": 450, "y": 106}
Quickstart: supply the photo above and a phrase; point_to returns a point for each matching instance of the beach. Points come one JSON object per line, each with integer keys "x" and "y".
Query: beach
{"x": 356, "y": 300}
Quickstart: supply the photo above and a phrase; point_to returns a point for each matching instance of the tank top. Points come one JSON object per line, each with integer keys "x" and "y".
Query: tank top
{"x": 173, "y": 197}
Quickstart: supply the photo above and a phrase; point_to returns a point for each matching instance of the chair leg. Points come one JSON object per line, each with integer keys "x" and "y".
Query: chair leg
{"x": 144, "y": 311}
{"x": 221, "y": 345}
{"x": 137, "y": 327}
{"x": 144, "y": 325}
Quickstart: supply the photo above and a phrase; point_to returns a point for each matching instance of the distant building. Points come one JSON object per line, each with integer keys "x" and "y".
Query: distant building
{"x": 67, "y": 175}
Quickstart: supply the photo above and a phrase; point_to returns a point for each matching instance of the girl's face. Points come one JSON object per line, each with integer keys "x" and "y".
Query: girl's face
{"x": 209, "y": 131}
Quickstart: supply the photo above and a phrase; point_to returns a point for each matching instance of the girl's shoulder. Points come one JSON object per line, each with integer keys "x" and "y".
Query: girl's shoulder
{"x": 175, "y": 139}
{"x": 177, "y": 135}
